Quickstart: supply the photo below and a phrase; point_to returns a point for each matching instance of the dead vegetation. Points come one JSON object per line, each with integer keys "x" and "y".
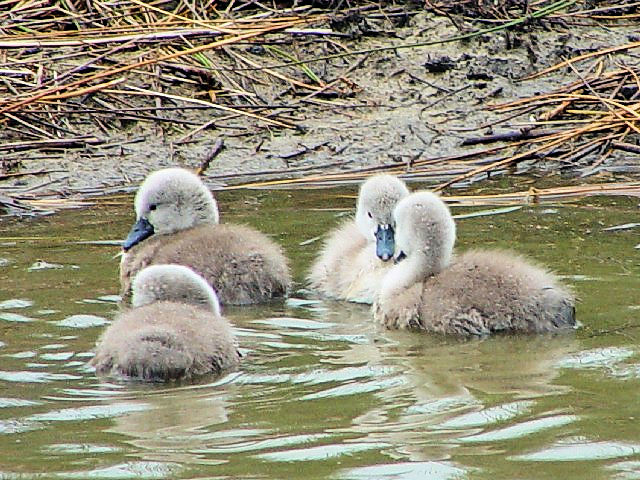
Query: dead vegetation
{"x": 577, "y": 125}
{"x": 610, "y": 11}
{"x": 72, "y": 72}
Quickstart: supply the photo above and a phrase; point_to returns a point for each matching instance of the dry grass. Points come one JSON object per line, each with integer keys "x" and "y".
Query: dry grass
{"x": 579, "y": 124}
{"x": 65, "y": 62}
{"x": 610, "y": 11}
{"x": 74, "y": 71}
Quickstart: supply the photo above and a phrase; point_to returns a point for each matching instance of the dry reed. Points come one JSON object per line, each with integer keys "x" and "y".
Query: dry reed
{"x": 74, "y": 71}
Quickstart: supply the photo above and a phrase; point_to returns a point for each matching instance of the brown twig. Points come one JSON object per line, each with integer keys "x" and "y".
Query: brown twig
{"x": 215, "y": 151}
{"x": 509, "y": 136}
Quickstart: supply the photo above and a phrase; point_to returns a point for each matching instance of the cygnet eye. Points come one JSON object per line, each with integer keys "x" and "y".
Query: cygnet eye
{"x": 153, "y": 206}
{"x": 369, "y": 214}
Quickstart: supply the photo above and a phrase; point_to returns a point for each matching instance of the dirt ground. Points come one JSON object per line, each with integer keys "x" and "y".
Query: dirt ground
{"x": 409, "y": 103}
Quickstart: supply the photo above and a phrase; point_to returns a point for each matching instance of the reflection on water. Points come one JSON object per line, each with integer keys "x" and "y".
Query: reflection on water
{"x": 323, "y": 392}
{"x": 174, "y": 417}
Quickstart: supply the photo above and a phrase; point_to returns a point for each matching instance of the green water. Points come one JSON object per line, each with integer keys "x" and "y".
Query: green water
{"x": 323, "y": 393}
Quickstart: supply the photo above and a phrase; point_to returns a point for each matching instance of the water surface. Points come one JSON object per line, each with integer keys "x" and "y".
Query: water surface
{"x": 323, "y": 393}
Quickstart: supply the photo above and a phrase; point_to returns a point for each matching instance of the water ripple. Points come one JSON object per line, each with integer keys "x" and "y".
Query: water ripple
{"x": 250, "y": 446}
{"x": 107, "y": 390}
{"x": 488, "y": 416}
{"x": 521, "y": 429}
{"x": 57, "y": 356}
{"x": 82, "y": 321}
{"x": 581, "y": 450}
{"x": 441, "y": 405}
{"x": 35, "y": 377}
{"x": 53, "y": 346}
{"x": 316, "y": 377}
{"x": 295, "y": 302}
{"x": 110, "y": 298}
{"x": 287, "y": 346}
{"x": 89, "y": 413}
{"x": 79, "y": 448}
{"x": 322, "y": 452}
{"x": 27, "y": 354}
{"x": 290, "y": 322}
{"x": 626, "y": 371}
{"x": 596, "y": 358}
{"x": 343, "y": 374}
{"x": 6, "y": 402}
{"x": 15, "y": 303}
{"x": 356, "y": 388}
{"x": 243, "y": 332}
{"x": 42, "y": 265}
{"x": 13, "y": 426}
{"x": 629, "y": 470}
{"x": 406, "y": 471}
{"x": 128, "y": 470}
{"x": 15, "y": 317}
{"x": 330, "y": 337}
{"x": 264, "y": 378}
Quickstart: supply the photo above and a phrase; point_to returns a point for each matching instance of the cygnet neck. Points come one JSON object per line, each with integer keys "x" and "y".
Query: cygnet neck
{"x": 426, "y": 234}
{"x": 411, "y": 270}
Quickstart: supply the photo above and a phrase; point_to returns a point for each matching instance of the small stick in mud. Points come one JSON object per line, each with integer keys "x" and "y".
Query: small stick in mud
{"x": 508, "y": 136}
{"x": 215, "y": 151}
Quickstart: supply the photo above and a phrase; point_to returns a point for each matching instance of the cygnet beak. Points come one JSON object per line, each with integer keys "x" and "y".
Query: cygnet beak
{"x": 385, "y": 243}
{"x": 398, "y": 258}
{"x": 141, "y": 229}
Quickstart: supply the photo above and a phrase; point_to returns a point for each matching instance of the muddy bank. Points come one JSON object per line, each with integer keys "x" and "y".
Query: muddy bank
{"x": 397, "y": 107}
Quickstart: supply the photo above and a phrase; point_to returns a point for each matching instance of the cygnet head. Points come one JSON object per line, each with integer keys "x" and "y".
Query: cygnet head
{"x": 377, "y": 198}
{"x": 173, "y": 283}
{"x": 425, "y": 231}
{"x": 168, "y": 201}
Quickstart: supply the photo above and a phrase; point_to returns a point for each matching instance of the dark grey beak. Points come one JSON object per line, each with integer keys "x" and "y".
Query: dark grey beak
{"x": 141, "y": 229}
{"x": 401, "y": 256}
{"x": 385, "y": 243}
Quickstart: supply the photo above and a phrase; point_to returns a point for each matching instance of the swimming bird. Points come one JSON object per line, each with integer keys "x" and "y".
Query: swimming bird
{"x": 177, "y": 222}
{"x": 355, "y": 256}
{"x": 173, "y": 331}
{"x": 476, "y": 293}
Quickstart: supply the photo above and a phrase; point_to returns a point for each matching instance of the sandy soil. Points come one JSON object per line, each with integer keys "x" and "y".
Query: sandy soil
{"x": 404, "y": 109}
